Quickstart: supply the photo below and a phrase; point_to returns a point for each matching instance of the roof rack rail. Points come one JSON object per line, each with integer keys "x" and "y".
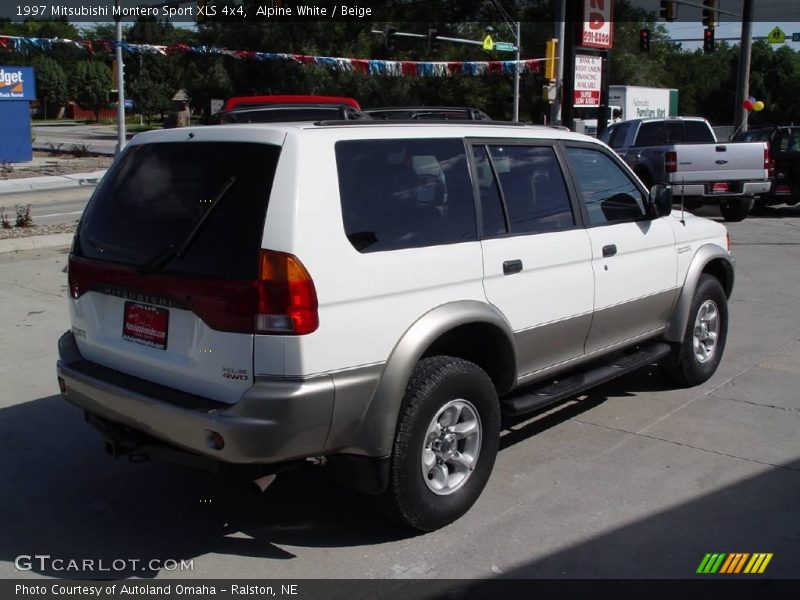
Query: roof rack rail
{"x": 389, "y": 122}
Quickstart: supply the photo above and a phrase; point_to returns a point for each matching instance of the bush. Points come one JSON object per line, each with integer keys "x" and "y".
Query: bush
{"x": 24, "y": 218}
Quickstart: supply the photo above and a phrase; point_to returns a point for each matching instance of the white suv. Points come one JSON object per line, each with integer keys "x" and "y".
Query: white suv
{"x": 375, "y": 293}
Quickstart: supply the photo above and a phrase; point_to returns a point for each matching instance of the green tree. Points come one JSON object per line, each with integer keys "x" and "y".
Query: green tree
{"x": 151, "y": 82}
{"x": 91, "y": 84}
{"x": 51, "y": 84}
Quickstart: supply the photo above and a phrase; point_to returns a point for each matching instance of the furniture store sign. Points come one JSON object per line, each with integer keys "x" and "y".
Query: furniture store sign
{"x": 597, "y": 28}
{"x": 17, "y": 83}
{"x": 588, "y": 80}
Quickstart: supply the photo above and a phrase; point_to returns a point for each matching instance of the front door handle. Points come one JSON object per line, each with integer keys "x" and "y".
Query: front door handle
{"x": 609, "y": 250}
{"x": 512, "y": 266}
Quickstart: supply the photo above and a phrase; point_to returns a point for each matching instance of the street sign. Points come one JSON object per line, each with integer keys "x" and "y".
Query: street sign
{"x": 504, "y": 47}
{"x": 597, "y": 30}
{"x": 588, "y": 77}
{"x": 488, "y": 43}
{"x": 776, "y": 36}
{"x": 796, "y": 37}
{"x": 128, "y": 103}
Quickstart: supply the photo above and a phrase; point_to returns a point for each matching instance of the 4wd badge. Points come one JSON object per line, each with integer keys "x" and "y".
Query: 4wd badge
{"x": 235, "y": 374}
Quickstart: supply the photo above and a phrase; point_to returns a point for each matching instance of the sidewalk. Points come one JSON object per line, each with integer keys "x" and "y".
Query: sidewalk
{"x": 50, "y": 182}
{"x": 31, "y": 239}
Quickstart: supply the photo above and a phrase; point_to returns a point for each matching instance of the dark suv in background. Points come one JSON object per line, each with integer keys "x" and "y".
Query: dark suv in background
{"x": 784, "y": 144}
{"x": 428, "y": 113}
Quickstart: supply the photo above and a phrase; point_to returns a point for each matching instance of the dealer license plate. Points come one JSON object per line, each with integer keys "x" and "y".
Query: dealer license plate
{"x": 145, "y": 324}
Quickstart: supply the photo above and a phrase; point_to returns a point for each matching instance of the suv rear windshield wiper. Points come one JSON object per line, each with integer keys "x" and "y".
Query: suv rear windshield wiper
{"x": 164, "y": 256}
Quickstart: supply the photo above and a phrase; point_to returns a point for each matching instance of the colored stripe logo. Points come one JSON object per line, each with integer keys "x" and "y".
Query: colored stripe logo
{"x": 734, "y": 563}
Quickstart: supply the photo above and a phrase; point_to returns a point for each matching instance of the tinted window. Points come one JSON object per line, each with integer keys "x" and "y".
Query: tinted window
{"x": 620, "y": 135}
{"x": 698, "y": 132}
{"x": 405, "y": 193}
{"x": 533, "y": 188}
{"x": 674, "y": 132}
{"x": 494, "y": 221}
{"x": 788, "y": 140}
{"x": 606, "y": 135}
{"x": 609, "y": 195}
{"x": 155, "y": 195}
{"x": 651, "y": 134}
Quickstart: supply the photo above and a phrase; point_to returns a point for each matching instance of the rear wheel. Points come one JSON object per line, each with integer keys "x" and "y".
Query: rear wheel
{"x": 697, "y": 357}
{"x": 446, "y": 443}
{"x": 735, "y": 209}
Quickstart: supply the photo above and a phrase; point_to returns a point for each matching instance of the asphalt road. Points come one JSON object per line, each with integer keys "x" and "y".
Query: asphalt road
{"x": 632, "y": 480}
{"x": 50, "y": 207}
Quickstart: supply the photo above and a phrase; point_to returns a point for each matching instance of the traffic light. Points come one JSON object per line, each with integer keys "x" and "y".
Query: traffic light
{"x": 550, "y": 58}
{"x": 710, "y": 13}
{"x": 433, "y": 42}
{"x": 708, "y": 41}
{"x": 644, "y": 40}
{"x": 669, "y": 10}
{"x": 389, "y": 38}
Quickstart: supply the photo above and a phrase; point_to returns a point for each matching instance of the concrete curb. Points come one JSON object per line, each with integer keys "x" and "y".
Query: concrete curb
{"x": 35, "y": 242}
{"x": 50, "y": 182}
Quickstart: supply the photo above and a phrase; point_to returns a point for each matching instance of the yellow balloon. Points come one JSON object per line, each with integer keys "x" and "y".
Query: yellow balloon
{"x": 758, "y": 105}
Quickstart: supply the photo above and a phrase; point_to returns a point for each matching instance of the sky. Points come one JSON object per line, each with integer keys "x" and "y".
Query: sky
{"x": 683, "y": 30}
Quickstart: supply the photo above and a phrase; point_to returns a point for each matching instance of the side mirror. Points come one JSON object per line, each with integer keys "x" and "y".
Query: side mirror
{"x": 660, "y": 200}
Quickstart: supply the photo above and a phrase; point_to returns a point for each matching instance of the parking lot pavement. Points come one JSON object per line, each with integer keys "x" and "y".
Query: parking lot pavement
{"x": 632, "y": 480}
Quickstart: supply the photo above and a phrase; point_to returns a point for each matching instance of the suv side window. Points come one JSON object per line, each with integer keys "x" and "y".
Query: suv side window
{"x": 608, "y": 194}
{"x": 531, "y": 185}
{"x": 399, "y": 194}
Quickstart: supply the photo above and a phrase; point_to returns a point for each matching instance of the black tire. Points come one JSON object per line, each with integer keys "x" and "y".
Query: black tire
{"x": 683, "y": 367}
{"x": 735, "y": 209}
{"x": 436, "y": 382}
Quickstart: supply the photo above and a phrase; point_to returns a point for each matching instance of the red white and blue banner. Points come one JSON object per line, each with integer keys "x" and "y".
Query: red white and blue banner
{"x": 391, "y": 68}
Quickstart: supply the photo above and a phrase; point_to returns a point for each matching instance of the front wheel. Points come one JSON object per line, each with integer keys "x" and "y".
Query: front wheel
{"x": 697, "y": 357}
{"x": 735, "y": 209}
{"x": 445, "y": 445}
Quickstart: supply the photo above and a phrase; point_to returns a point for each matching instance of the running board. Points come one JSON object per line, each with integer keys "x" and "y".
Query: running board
{"x": 536, "y": 398}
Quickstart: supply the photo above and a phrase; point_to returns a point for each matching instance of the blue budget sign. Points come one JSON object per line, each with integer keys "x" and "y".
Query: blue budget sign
{"x": 17, "y": 83}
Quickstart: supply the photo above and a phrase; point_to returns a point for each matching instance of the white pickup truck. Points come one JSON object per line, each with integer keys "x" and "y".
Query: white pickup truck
{"x": 684, "y": 153}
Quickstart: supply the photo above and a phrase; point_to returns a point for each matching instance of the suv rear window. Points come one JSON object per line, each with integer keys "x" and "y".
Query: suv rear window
{"x": 405, "y": 193}
{"x": 155, "y": 195}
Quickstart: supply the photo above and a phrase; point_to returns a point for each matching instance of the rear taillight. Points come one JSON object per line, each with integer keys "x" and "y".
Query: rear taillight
{"x": 281, "y": 301}
{"x": 768, "y": 164}
{"x": 287, "y": 300}
{"x": 671, "y": 162}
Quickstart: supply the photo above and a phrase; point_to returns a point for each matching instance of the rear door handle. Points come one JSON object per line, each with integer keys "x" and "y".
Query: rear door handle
{"x": 512, "y": 266}
{"x": 609, "y": 250}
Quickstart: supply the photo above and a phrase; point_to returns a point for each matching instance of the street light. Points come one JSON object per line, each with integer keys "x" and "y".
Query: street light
{"x": 514, "y": 26}
{"x": 120, "y": 79}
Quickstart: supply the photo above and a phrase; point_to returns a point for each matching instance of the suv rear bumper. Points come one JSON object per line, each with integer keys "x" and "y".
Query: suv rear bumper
{"x": 275, "y": 421}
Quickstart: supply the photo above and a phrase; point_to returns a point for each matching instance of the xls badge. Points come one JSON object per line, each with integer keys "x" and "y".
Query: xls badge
{"x": 738, "y": 562}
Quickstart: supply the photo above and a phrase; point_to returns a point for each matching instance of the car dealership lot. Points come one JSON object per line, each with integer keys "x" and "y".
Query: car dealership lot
{"x": 632, "y": 480}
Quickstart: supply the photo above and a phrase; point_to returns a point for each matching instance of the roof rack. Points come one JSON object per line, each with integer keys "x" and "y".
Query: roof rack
{"x": 390, "y": 122}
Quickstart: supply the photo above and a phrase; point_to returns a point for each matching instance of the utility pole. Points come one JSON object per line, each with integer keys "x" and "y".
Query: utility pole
{"x": 516, "y": 76}
{"x": 743, "y": 79}
{"x": 120, "y": 75}
{"x": 555, "y": 109}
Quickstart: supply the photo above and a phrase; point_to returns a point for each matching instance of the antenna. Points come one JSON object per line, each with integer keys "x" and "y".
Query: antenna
{"x": 683, "y": 191}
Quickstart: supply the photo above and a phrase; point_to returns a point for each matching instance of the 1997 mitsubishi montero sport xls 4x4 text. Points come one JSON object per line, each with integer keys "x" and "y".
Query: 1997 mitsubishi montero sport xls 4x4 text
{"x": 377, "y": 294}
